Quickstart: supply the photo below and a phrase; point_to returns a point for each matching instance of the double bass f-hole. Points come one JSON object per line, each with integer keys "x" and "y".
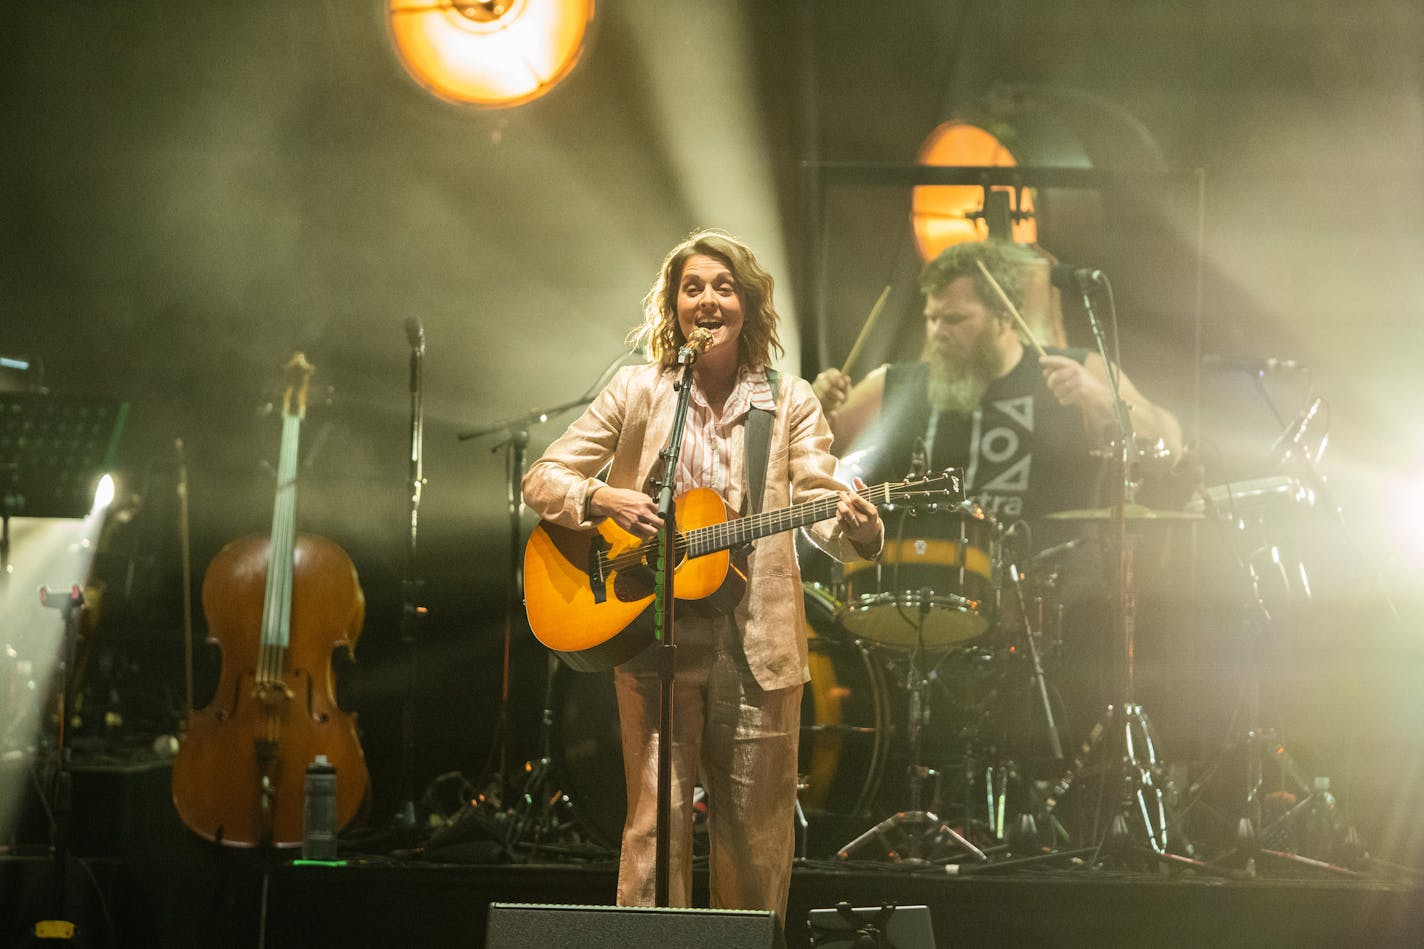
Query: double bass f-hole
{"x": 278, "y": 607}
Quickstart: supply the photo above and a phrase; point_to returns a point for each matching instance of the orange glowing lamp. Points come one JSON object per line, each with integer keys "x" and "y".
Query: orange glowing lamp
{"x": 489, "y": 53}
{"x": 944, "y": 215}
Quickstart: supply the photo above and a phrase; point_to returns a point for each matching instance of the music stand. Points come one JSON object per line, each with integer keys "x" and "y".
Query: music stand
{"x": 53, "y": 451}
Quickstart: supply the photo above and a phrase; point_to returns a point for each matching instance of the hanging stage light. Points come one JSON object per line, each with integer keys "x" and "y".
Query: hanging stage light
{"x": 944, "y": 215}
{"x": 490, "y": 53}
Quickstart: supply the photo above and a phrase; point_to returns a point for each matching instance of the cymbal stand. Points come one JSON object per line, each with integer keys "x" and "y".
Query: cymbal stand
{"x": 921, "y": 831}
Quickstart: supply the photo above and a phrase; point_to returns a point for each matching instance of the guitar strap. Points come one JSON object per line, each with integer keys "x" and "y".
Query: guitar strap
{"x": 758, "y": 447}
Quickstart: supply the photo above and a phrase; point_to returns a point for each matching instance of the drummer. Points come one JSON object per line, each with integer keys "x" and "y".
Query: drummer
{"x": 1022, "y": 426}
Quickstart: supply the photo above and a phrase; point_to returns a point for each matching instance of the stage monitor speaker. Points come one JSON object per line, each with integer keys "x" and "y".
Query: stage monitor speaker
{"x": 546, "y": 926}
{"x": 890, "y": 926}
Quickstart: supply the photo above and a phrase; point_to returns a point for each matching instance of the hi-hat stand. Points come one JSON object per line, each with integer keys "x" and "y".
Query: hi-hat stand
{"x": 915, "y": 835}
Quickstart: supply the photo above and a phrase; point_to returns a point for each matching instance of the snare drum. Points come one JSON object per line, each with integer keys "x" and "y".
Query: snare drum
{"x": 937, "y": 577}
{"x": 845, "y": 729}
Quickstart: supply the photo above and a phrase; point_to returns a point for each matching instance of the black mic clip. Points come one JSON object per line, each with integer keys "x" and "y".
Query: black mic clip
{"x": 1068, "y": 277}
{"x": 415, "y": 333}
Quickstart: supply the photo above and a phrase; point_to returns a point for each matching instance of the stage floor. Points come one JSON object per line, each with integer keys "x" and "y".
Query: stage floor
{"x": 204, "y": 897}
{"x": 142, "y": 879}
{"x": 412, "y": 905}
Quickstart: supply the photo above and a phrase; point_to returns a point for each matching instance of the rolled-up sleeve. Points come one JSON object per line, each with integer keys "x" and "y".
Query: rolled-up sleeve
{"x": 813, "y": 470}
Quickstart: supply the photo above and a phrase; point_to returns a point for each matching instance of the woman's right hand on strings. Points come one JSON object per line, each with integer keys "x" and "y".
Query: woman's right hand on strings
{"x": 831, "y": 387}
{"x": 633, "y": 511}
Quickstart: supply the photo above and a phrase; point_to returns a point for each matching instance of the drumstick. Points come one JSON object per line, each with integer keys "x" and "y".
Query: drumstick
{"x": 875, "y": 312}
{"x": 1012, "y": 309}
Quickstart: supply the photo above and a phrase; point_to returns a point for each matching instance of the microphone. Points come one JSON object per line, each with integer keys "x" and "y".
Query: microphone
{"x": 415, "y": 332}
{"x": 1260, "y": 364}
{"x": 1050, "y": 554}
{"x": 1068, "y": 277}
{"x": 697, "y": 343}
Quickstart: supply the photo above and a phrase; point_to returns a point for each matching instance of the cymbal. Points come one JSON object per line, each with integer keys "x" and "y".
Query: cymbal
{"x": 1132, "y": 512}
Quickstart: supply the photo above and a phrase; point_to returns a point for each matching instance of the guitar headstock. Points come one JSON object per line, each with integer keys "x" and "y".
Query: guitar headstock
{"x": 946, "y": 485}
{"x": 299, "y": 373}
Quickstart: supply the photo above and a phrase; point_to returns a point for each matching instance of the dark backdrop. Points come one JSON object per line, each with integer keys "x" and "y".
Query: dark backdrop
{"x": 191, "y": 192}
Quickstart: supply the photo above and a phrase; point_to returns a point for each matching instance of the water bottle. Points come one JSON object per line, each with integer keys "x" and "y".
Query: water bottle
{"x": 319, "y": 814}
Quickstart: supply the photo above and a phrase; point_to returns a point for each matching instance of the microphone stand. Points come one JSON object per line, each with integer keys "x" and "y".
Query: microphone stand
{"x": 412, "y": 588}
{"x": 663, "y": 629}
{"x": 515, "y": 430}
{"x": 70, "y": 604}
{"x": 1133, "y": 746}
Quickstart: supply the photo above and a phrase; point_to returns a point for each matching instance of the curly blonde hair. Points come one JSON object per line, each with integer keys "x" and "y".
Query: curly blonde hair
{"x": 662, "y": 336}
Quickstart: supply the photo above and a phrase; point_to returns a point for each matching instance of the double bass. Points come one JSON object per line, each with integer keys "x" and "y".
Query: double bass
{"x": 277, "y": 607}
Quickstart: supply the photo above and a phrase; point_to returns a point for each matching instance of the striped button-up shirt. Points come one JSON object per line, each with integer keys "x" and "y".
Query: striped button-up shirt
{"x": 713, "y": 449}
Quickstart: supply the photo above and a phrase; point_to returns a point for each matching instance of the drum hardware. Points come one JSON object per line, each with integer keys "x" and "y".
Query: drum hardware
{"x": 1122, "y": 741}
{"x": 1263, "y": 831}
{"x": 1032, "y": 827}
{"x": 1030, "y": 639}
{"x": 921, "y": 831}
{"x": 935, "y": 581}
{"x": 1268, "y": 823}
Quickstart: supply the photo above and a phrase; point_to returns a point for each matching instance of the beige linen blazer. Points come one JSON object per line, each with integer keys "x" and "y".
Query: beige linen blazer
{"x": 629, "y": 423}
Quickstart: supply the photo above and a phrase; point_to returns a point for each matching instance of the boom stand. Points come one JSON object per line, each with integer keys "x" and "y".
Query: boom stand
{"x": 516, "y": 439}
{"x": 1130, "y": 748}
{"x": 922, "y": 831}
{"x": 412, "y": 588}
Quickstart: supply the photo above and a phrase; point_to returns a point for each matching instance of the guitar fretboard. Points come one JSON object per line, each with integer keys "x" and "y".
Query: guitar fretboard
{"x": 744, "y": 530}
{"x": 733, "y": 533}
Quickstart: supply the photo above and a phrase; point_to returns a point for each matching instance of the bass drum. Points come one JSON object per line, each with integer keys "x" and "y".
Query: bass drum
{"x": 845, "y": 729}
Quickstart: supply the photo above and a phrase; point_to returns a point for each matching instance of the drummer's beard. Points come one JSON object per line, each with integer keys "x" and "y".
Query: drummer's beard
{"x": 957, "y": 383}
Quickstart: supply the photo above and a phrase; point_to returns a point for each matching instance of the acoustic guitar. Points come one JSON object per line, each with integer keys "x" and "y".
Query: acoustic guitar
{"x": 587, "y": 592}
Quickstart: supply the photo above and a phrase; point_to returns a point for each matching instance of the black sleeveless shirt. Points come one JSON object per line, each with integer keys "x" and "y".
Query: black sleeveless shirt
{"x": 1023, "y": 454}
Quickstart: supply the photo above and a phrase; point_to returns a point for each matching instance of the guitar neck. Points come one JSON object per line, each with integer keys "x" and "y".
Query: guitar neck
{"x": 744, "y": 530}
